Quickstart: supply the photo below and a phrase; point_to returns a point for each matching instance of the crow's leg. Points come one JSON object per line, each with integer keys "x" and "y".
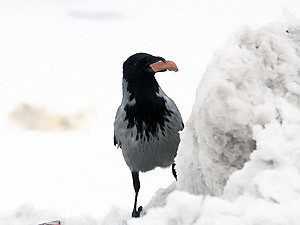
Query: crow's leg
{"x": 136, "y": 185}
{"x": 174, "y": 171}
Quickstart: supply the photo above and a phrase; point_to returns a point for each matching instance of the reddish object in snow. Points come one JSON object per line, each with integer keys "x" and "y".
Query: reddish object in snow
{"x": 57, "y": 222}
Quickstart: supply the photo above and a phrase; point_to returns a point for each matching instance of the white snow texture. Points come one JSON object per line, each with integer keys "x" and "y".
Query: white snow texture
{"x": 240, "y": 150}
{"x": 239, "y": 159}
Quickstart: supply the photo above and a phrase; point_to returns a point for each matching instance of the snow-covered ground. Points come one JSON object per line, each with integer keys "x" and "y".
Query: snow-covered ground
{"x": 67, "y": 56}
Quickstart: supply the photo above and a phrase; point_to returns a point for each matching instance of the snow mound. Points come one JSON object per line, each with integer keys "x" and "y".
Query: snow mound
{"x": 240, "y": 150}
{"x": 253, "y": 81}
{"x": 266, "y": 191}
{"x": 159, "y": 199}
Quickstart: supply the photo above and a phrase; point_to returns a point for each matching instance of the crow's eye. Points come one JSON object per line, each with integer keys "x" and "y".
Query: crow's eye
{"x": 136, "y": 63}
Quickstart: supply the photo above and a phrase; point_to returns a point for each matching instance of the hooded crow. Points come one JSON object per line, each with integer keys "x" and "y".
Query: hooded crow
{"x": 147, "y": 122}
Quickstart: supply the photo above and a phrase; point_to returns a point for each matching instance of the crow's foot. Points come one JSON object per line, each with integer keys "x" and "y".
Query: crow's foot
{"x": 135, "y": 213}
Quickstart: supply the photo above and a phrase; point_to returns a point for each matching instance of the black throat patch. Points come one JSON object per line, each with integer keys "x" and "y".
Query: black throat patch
{"x": 149, "y": 113}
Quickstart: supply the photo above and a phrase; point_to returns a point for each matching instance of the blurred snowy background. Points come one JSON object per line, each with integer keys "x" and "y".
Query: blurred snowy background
{"x": 61, "y": 61}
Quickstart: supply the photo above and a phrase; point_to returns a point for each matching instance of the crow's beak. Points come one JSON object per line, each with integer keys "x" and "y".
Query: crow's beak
{"x": 162, "y": 66}
{"x": 159, "y": 64}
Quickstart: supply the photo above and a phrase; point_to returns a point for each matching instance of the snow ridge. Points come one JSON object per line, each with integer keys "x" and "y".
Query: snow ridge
{"x": 249, "y": 83}
{"x": 240, "y": 152}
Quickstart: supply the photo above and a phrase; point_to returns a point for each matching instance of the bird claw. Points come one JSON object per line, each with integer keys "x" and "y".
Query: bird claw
{"x": 135, "y": 213}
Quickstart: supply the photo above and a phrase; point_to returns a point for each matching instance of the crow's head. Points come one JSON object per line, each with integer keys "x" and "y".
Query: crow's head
{"x": 142, "y": 65}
